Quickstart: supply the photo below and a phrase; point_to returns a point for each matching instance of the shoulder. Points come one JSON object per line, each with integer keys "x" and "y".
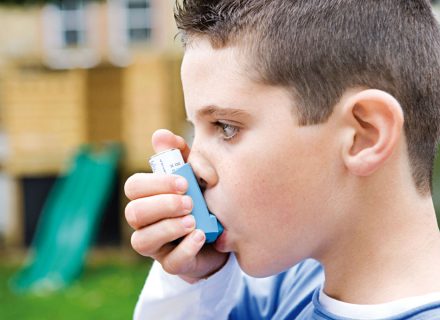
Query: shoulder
{"x": 306, "y": 275}
{"x": 298, "y": 280}
{"x": 302, "y": 280}
{"x": 282, "y": 296}
{"x": 296, "y": 289}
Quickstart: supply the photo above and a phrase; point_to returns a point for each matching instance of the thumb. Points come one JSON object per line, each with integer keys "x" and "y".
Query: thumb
{"x": 163, "y": 139}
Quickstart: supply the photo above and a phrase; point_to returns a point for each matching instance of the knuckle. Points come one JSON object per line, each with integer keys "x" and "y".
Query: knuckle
{"x": 168, "y": 183}
{"x": 172, "y": 228}
{"x": 171, "y": 182}
{"x": 130, "y": 184}
{"x": 172, "y": 266}
{"x": 139, "y": 245}
{"x": 187, "y": 252}
{"x": 174, "y": 203}
{"x": 134, "y": 241}
{"x": 131, "y": 215}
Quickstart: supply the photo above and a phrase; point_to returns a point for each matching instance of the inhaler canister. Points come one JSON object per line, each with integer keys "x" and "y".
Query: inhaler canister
{"x": 171, "y": 162}
{"x": 166, "y": 162}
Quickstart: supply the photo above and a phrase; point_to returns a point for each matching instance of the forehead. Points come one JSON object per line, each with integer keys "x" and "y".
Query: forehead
{"x": 214, "y": 66}
{"x": 218, "y": 77}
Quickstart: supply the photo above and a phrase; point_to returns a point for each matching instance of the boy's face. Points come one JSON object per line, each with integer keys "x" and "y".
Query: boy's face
{"x": 274, "y": 182}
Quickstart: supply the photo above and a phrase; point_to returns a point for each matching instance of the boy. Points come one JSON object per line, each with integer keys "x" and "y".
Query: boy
{"x": 316, "y": 124}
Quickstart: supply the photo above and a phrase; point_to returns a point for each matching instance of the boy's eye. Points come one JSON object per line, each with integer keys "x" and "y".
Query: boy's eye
{"x": 227, "y": 130}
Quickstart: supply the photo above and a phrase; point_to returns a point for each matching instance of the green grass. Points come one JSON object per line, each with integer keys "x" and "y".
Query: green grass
{"x": 106, "y": 290}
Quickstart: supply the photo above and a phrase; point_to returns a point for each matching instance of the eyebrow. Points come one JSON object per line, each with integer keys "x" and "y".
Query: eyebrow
{"x": 215, "y": 111}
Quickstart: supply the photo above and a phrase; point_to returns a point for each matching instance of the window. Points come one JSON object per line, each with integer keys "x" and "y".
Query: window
{"x": 73, "y": 22}
{"x": 138, "y": 20}
{"x": 71, "y": 34}
{"x": 130, "y": 27}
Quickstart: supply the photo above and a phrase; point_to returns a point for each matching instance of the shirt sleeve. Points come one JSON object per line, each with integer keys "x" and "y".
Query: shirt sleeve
{"x": 167, "y": 296}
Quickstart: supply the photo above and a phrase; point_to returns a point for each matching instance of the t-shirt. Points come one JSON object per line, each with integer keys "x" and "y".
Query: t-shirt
{"x": 231, "y": 294}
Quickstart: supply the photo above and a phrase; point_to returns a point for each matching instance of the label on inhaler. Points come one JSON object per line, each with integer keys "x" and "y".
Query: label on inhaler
{"x": 167, "y": 162}
{"x": 171, "y": 161}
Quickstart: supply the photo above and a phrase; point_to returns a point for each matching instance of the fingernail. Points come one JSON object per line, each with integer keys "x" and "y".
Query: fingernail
{"x": 187, "y": 204}
{"x": 188, "y": 221}
{"x": 198, "y": 236}
{"x": 181, "y": 184}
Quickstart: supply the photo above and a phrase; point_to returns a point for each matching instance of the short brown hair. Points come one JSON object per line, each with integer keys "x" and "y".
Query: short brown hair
{"x": 320, "y": 48}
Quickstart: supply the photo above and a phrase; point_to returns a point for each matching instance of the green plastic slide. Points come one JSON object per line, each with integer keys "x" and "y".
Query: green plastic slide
{"x": 68, "y": 221}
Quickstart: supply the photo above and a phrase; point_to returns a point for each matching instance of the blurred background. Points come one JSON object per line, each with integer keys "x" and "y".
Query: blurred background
{"x": 83, "y": 85}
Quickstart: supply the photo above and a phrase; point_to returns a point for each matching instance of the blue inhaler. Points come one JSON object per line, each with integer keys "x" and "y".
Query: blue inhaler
{"x": 171, "y": 162}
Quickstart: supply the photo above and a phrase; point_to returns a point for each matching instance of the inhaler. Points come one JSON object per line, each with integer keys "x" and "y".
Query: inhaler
{"x": 171, "y": 162}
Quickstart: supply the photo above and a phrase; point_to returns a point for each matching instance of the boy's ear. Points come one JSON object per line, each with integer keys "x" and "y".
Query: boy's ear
{"x": 375, "y": 121}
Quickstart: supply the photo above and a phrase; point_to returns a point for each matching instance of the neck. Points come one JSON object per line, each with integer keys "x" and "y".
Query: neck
{"x": 391, "y": 250}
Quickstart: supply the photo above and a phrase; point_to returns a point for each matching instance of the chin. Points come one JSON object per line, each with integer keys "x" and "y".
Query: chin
{"x": 264, "y": 264}
{"x": 256, "y": 268}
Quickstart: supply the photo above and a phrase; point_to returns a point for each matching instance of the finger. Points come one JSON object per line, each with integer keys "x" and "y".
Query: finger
{"x": 163, "y": 251}
{"x": 149, "y": 240}
{"x": 145, "y": 211}
{"x": 163, "y": 139}
{"x": 142, "y": 185}
{"x": 182, "y": 259}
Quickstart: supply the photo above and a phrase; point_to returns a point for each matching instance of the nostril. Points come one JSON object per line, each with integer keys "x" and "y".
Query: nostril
{"x": 202, "y": 184}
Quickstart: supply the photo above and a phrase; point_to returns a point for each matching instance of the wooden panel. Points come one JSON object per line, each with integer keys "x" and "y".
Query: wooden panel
{"x": 44, "y": 117}
{"x": 104, "y": 104}
{"x": 145, "y": 108}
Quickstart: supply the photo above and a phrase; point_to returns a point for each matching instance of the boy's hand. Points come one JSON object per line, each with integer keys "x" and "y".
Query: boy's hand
{"x": 159, "y": 213}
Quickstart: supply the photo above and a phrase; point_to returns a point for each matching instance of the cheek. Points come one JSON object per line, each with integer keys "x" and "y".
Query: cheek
{"x": 273, "y": 197}
{"x": 259, "y": 195}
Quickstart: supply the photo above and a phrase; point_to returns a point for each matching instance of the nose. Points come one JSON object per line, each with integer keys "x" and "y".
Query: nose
{"x": 203, "y": 169}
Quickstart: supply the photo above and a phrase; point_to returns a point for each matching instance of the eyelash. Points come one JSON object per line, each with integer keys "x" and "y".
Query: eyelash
{"x": 222, "y": 126}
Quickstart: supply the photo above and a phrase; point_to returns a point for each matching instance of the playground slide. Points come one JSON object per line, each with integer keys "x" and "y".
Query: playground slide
{"x": 68, "y": 222}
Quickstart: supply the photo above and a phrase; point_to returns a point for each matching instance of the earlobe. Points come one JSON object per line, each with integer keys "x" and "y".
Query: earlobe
{"x": 375, "y": 122}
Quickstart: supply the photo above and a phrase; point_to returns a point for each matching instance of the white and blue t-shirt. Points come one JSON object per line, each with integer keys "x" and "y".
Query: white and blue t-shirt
{"x": 293, "y": 294}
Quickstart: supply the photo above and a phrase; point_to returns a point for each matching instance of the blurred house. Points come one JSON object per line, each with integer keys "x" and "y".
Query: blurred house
{"x": 77, "y": 72}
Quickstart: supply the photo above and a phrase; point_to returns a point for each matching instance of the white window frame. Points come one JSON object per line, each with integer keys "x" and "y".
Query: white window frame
{"x": 58, "y": 54}
{"x": 71, "y": 21}
{"x": 139, "y": 18}
{"x": 120, "y": 44}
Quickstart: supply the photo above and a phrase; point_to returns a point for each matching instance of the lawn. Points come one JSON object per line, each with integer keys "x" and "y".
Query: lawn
{"x": 107, "y": 289}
